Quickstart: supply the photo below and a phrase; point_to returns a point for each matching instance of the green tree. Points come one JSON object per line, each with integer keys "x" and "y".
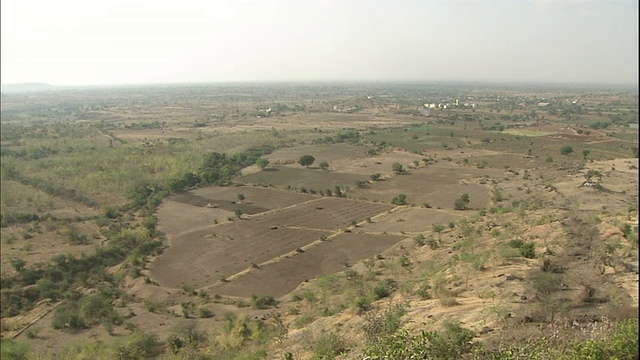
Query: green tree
{"x": 593, "y": 173}
{"x": 566, "y": 150}
{"x": 306, "y": 160}
{"x": 397, "y": 168}
{"x": 324, "y": 165}
{"x": 462, "y": 202}
{"x": 262, "y": 163}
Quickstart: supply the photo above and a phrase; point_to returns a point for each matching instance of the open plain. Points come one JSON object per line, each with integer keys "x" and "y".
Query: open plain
{"x": 177, "y": 222}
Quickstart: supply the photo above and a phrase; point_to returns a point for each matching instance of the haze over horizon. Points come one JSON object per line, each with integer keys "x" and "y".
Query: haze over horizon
{"x": 70, "y": 42}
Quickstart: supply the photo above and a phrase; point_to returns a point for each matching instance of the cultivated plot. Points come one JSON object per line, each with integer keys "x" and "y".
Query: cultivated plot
{"x": 203, "y": 254}
{"x": 326, "y": 213}
{"x": 440, "y": 184}
{"x": 283, "y": 276}
{"x": 299, "y": 177}
{"x": 203, "y": 257}
{"x": 412, "y": 220}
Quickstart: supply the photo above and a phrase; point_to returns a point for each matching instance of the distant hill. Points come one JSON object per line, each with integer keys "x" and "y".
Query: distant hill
{"x": 27, "y": 87}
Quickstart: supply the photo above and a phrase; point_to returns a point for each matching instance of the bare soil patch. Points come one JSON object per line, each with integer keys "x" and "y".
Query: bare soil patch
{"x": 299, "y": 177}
{"x": 175, "y": 217}
{"x": 375, "y": 164}
{"x": 321, "y": 152}
{"x": 268, "y": 198}
{"x": 203, "y": 257}
{"x": 206, "y": 206}
{"x": 231, "y": 206}
{"x": 412, "y": 220}
{"x": 438, "y": 185}
{"x": 326, "y": 214}
{"x": 280, "y": 278}
{"x": 619, "y": 186}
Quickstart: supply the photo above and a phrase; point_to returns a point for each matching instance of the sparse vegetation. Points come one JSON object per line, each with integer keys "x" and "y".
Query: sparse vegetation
{"x": 89, "y": 199}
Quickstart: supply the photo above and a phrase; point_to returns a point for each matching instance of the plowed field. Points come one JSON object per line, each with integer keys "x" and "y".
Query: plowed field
{"x": 291, "y": 237}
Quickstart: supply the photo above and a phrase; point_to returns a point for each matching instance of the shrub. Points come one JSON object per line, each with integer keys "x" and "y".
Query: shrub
{"x": 462, "y": 202}
{"x": 66, "y": 316}
{"x": 566, "y": 150}
{"x": 328, "y": 346}
{"x": 384, "y": 288}
{"x": 262, "y": 163}
{"x": 433, "y": 243}
{"x": 380, "y": 291}
{"x": 383, "y": 324}
{"x": 362, "y": 303}
{"x": 11, "y": 349}
{"x": 263, "y": 301}
{"x": 451, "y": 343}
{"x": 32, "y": 333}
{"x": 205, "y": 313}
{"x": 140, "y": 345}
{"x": 620, "y": 343}
{"x": 528, "y": 250}
{"x": 400, "y": 199}
{"x": 423, "y": 292}
{"x": 547, "y": 283}
{"x": 629, "y": 232}
{"x": 75, "y": 238}
{"x": 188, "y": 289}
{"x": 303, "y": 320}
{"x": 516, "y": 243}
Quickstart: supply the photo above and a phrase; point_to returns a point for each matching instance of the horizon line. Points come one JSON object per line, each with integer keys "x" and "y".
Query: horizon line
{"x": 53, "y": 86}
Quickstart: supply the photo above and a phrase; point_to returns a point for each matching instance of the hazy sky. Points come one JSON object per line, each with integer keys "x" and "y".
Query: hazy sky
{"x": 87, "y": 42}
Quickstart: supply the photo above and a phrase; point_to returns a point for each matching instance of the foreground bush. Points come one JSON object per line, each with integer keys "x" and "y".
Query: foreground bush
{"x": 452, "y": 343}
{"x": 455, "y": 342}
